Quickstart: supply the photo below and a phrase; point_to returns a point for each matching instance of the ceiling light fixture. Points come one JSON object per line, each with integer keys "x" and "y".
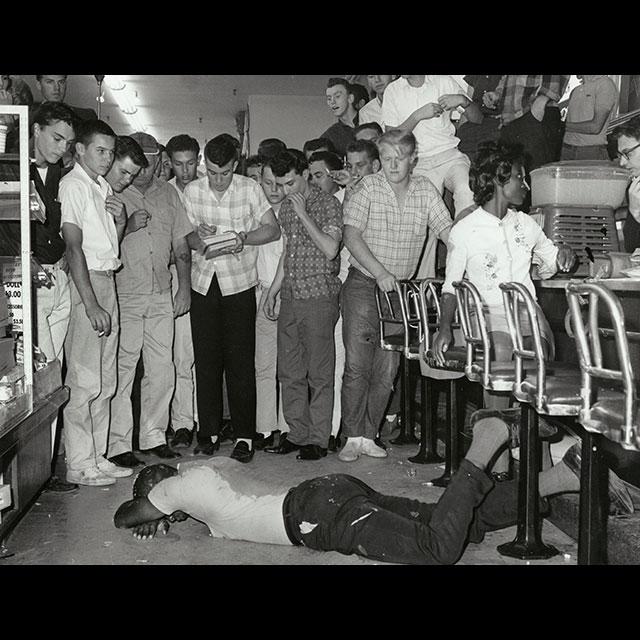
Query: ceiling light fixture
{"x": 127, "y": 100}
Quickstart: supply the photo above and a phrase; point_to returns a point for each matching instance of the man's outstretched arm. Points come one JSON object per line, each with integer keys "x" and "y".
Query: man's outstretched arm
{"x": 135, "y": 512}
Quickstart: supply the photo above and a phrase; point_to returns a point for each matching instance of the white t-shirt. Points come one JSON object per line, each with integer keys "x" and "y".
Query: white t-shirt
{"x": 371, "y": 112}
{"x": 83, "y": 204}
{"x": 227, "y": 497}
{"x": 401, "y": 99}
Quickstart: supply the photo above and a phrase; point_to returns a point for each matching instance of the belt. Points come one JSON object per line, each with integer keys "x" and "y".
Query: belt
{"x": 289, "y": 525}
{"x": 107, "y": 274}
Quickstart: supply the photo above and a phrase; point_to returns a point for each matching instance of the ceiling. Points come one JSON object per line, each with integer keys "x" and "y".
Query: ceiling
{"x": 201, "y": 105}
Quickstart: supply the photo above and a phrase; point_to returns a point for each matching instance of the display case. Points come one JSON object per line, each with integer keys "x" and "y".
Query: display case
{"x": 29, "y": 400}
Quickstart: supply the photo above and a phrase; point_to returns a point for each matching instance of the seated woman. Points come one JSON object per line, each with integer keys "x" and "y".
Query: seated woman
{"x": 496, "y": 243}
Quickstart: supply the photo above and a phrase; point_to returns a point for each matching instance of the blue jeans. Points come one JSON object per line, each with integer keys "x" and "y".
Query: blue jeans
{"x": 369, "y": 371}
{"x": 341, "y": 513}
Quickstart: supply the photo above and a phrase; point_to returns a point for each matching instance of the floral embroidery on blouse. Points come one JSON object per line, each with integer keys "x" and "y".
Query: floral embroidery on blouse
{"x": 519, "y": 237}
{"x": 490, "y": 270}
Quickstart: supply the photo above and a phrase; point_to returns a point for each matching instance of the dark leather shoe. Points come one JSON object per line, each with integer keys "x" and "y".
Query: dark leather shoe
{"x": 206, "y": 447}
{"x": 126, "y": 460}
{"x": 227, "y": 431}
{"x": 162, "y": 451}
{"x": 285, "y": 446}
{"x": 620, "y": 501}
{"x": 311, "y": 452}
{"x": 59, "y": 486}
{"x": 242, "y": 453}
{"x": 261, "y": 442}
{"x": 182, "y": 438}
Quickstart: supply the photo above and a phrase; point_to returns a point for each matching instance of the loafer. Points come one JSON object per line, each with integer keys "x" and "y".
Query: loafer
{"x": 620, "y": 502}
{"x": 206, "y": 447}
{"x": 162, "y": 451}
{"x": 182, "y": 438}
{"x": 285, "y": 446}
{"x": 351, "y": 451}
{"x": 260, "y": 442}
{"x": 57, "y": 485}
{"x": 242, "y": 453}
{"x": 126, "y": 460}
{"x": 311, "y": 452}
{"x": 369, "y": 448}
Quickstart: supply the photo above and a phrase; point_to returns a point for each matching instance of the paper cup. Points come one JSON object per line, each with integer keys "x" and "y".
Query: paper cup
{"x": 3, "y": 137}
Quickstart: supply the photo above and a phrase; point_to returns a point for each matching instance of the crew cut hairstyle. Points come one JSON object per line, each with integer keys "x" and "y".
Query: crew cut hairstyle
{"x": 332, "y": 160}
{"x": 87, "y": 129}
{"x": 221, "y": 150}
{"x": 286, "y": 161}
{"x": 182, "y": 142}
{"x": 49, "y": 112}
{"x": 493, "y": 162}
{"x": 127, "y": 147}
{"x": 366, "y": 146}
{"x": 631, "y": 129}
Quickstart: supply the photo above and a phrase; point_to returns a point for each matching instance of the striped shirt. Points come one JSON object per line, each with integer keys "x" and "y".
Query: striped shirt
{"x": 517, "y": 93}
{"x": 240, "y": 209}
{"x": 395, "y": 237}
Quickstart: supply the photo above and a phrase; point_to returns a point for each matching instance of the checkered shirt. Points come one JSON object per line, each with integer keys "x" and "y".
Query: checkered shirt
{"x": 395, "y": 237}
{"x": 240, "y": 209}
{"x": 517, "y": 93}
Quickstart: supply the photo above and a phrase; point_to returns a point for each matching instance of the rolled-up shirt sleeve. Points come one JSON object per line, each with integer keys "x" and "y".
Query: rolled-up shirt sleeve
{"x": 456, "y": 260}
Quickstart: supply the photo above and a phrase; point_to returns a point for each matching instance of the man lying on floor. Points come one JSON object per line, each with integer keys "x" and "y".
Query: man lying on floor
{"x": 339, "y": 512}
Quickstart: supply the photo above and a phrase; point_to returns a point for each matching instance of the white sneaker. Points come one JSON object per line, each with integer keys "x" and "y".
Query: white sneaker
{"x": 369, "y": 448}
{"x": 112, "y": 470}
{"x": 91, "y": 477}
{"x": 351, "y": 451}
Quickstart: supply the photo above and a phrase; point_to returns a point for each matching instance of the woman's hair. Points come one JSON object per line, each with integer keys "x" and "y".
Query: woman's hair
{"x": 494, "y": 161}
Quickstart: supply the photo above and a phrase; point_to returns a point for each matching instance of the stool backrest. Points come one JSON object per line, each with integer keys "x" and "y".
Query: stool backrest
{"x": 429, "y": 300}
{"x": 409, "y": 294}
{"x": 590, "y": 349}
{"x": 474, "y": 330}
{"x": 516, "y": 297}
{"x": 392, "y": 309}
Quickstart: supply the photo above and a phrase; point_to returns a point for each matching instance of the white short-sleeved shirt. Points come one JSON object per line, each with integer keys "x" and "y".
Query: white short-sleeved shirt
{"x": 371, "y": 112}
{"x": 491, "y": 251}
{"x": 401, "y": 99}
{"x": 83, "y": 204}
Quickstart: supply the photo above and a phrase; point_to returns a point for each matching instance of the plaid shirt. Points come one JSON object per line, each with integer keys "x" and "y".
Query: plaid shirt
{"x": 517, "y": 93}
{"x": 395, "y": 237}
{"x": 307, "y": 271}
{"x": 240, "y": 209}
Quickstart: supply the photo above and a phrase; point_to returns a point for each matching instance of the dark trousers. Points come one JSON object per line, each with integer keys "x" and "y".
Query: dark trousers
{"x": 342, "y": 513}
{"x": 224, "y": 341}
{"x": 306, "y": 364}
{"x": 541, "y": 140}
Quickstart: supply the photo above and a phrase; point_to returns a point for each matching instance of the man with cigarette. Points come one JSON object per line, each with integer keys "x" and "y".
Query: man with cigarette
{"x": 156, "y": 230}
{"x": 92, "y": 219}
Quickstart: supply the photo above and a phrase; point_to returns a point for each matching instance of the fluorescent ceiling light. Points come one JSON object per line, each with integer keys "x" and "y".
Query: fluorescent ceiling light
{"x": 127, "y": 100}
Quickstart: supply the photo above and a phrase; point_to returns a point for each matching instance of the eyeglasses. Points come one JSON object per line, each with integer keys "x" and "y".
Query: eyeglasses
{"x": 626, "y": 152}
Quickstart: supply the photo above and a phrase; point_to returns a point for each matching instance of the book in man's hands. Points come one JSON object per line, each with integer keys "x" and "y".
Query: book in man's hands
{"x": 220, "y": 241}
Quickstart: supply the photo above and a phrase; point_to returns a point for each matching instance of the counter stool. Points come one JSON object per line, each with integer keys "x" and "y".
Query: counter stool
{"x": 603, "y": 415}
{"x": 429, "y": 298}
{"x": 404, "y": 341}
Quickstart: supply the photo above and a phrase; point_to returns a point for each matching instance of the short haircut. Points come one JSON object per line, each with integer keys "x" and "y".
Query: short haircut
{"x": 89, "y": 128}
{"x": 333, "y": 82}
{"x": 127, "y": 147}
{"x": 301, "y": 156}
{"x": 364, "y": 146}
{"x": 270, "y": 147}
{"x": 232, "y": 139}
{"x": 398, "y": 138}
{"x": 318, "y": 143}
{"x": 369, "y": 125}
{"x": 493, "y": 161}
{"x": 149, "y": 478}
{"x": 631, "y": 129}
{"x": 182, "y": 142}
{"x": 287, "y": 161}
{"x": 253, "y": 161}
{"x": 221, "y": 150}
{"x": 359, "y": 93}
{"x": 332, "y": 160}
{"x": 49, "y": 112}
{"x": 38, "y": 78}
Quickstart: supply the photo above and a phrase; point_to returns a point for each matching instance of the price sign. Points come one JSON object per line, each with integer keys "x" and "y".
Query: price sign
{"x": 12, "y": 280}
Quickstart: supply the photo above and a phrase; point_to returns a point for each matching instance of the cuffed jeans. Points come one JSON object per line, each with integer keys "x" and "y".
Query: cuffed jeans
{"x": 224, "y": 341}
{"x": 146, "y": 326}
{"x": 369, "y": 371}
{"x": 342, "y": 513}
{"x": 306, "y": 365}
{"x": 91, "y": 376}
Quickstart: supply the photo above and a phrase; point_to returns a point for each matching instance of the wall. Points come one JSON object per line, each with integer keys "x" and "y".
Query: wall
{"x": 293, "y": 119}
